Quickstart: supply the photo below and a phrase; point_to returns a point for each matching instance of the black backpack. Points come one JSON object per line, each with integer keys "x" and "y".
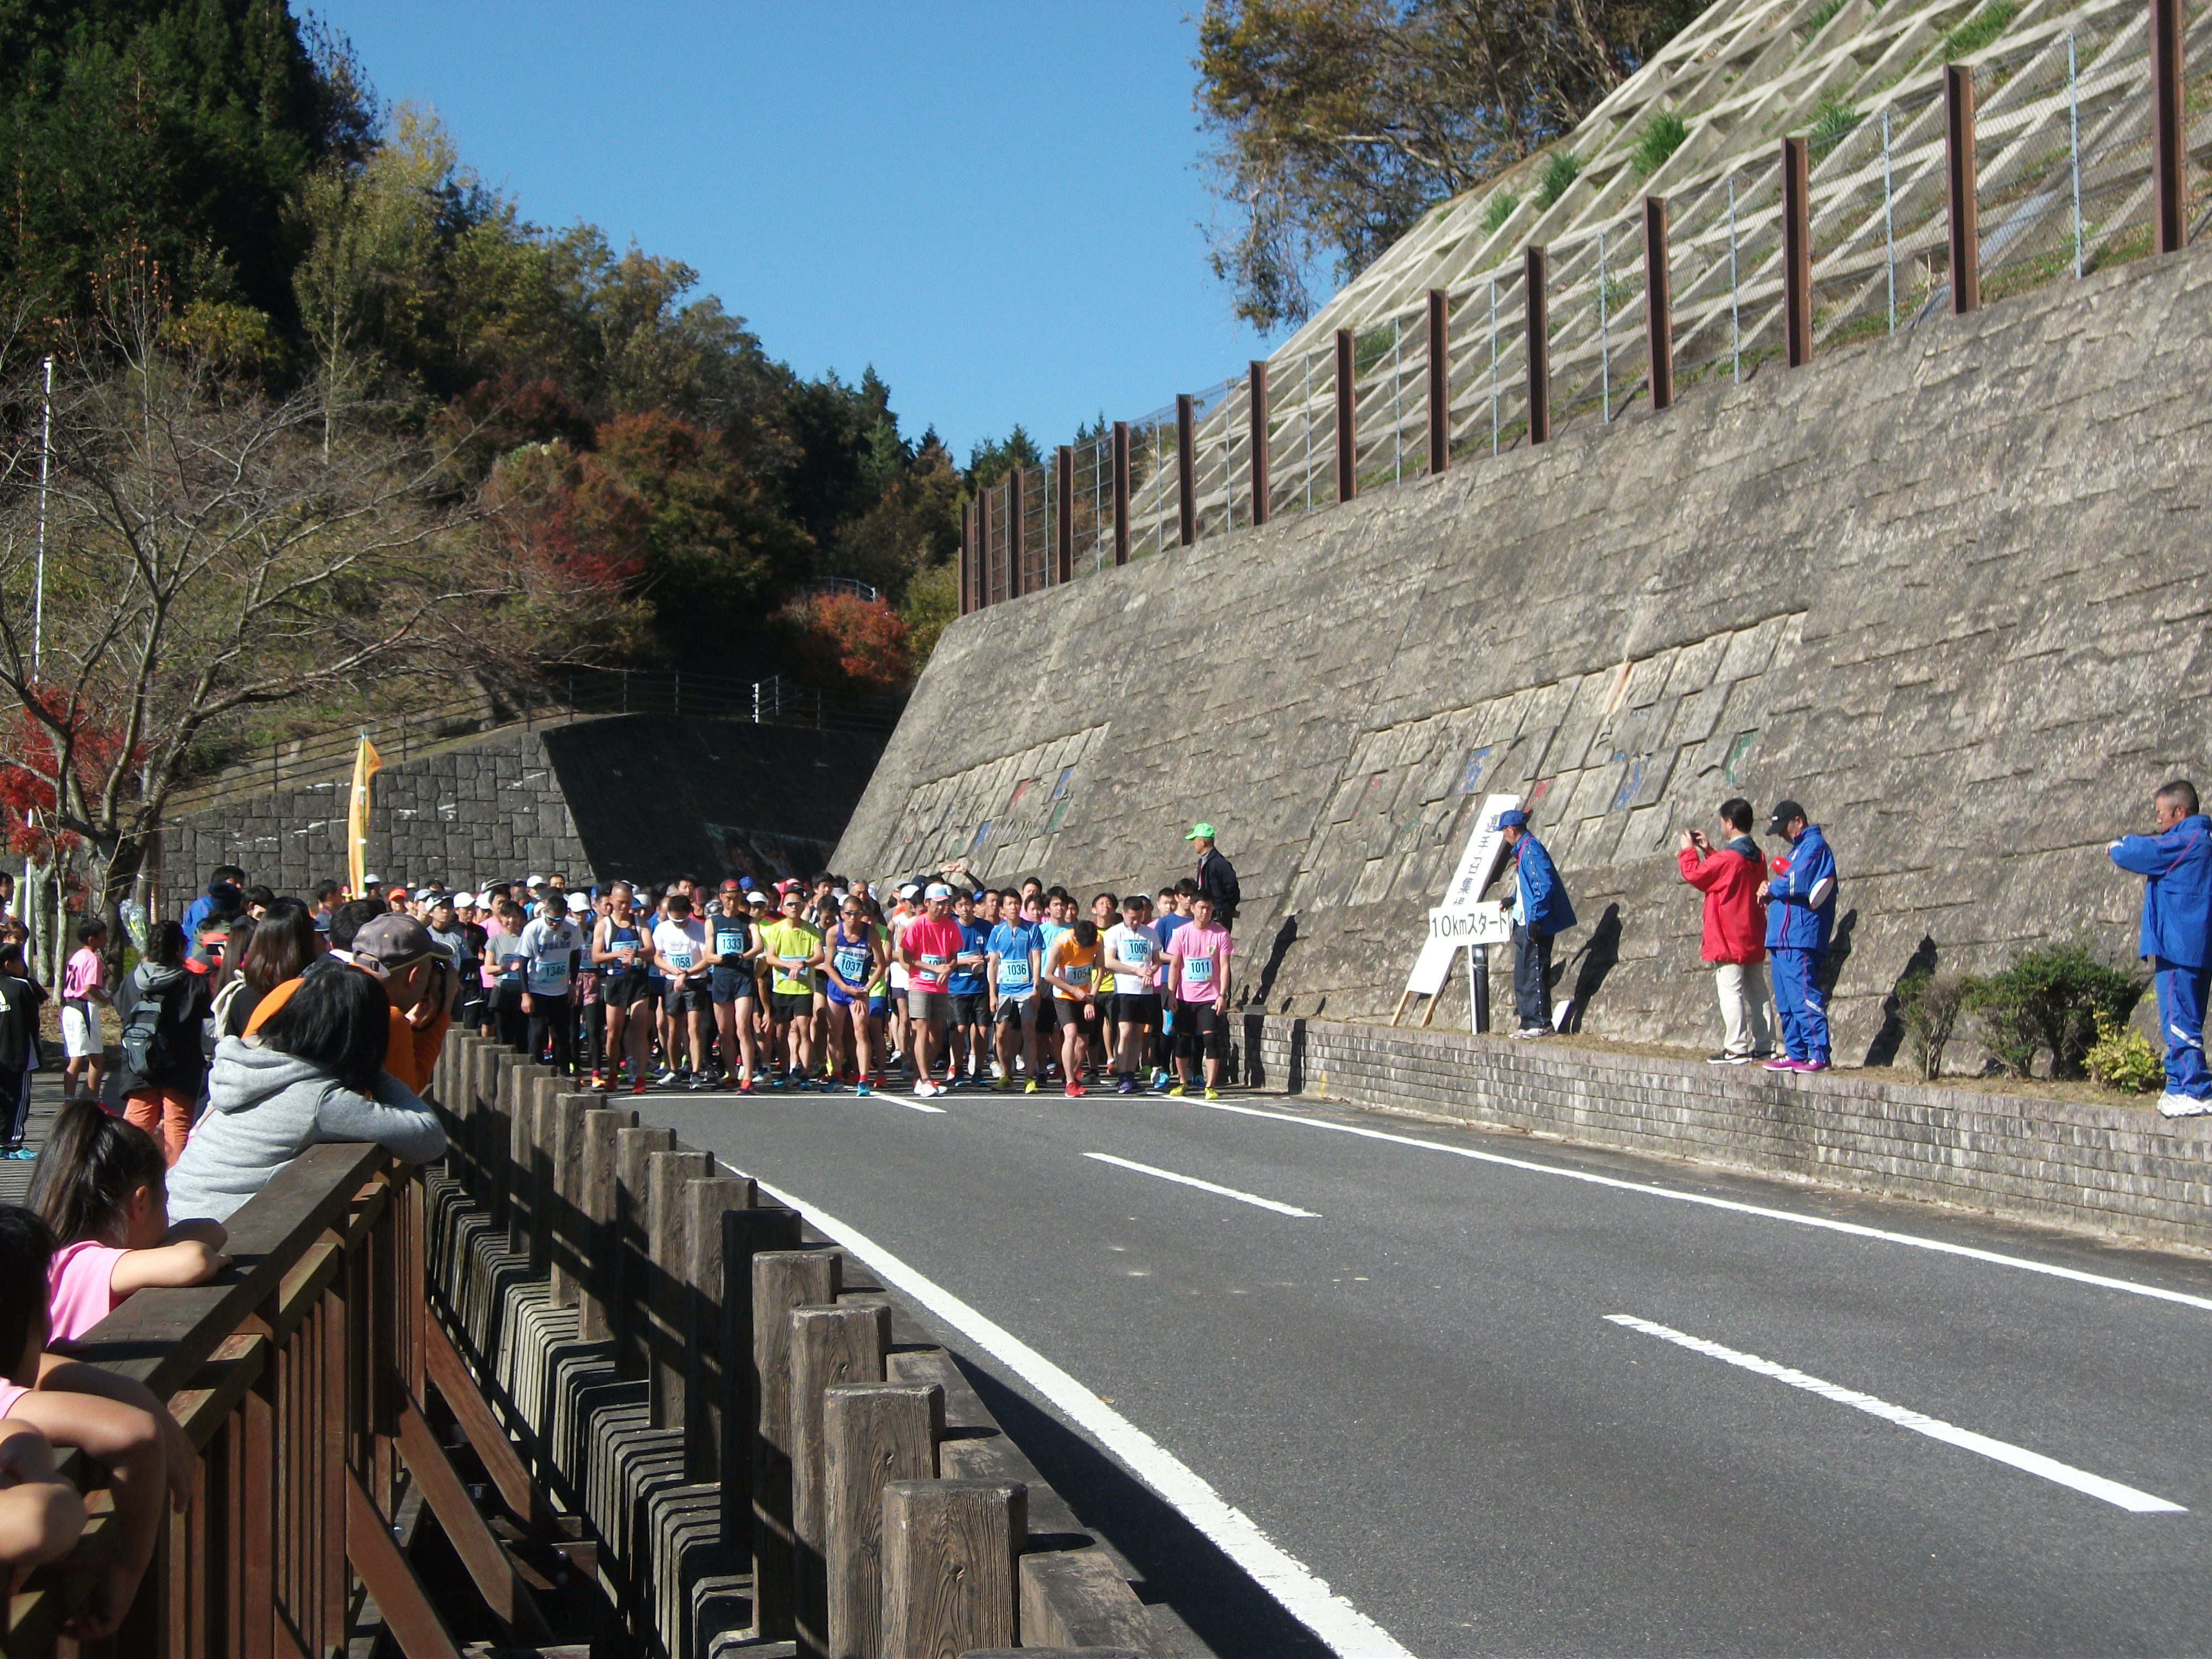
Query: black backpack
{"x": 145, "y": 1045}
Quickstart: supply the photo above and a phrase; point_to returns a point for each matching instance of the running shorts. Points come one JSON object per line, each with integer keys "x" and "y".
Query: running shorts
{"x": 1202, "y": 1026}
{"x": 788, "y": 1005}
{"x": 1136, "y": 1008}
{"x": 729, "y": 984}
{"x": 1017, "y": 1010}
{"x": 932, "y": 1005}
{"x": 971, "y": 1008}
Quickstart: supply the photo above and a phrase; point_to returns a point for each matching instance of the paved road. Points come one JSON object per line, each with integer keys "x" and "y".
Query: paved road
{"x": 1423, "y": 1392}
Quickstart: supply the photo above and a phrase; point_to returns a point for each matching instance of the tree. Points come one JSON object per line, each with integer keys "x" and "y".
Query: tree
{"x": 1340, "y": 123}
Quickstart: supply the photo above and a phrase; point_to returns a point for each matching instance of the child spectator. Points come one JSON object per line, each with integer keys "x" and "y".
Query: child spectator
{"x": 101, "y": 1186}
{"x": 84, "y": 993}
{"x": 40, "y": 1514}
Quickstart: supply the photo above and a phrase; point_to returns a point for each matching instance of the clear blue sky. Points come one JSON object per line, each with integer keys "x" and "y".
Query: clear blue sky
{"x": 996, "y": 204}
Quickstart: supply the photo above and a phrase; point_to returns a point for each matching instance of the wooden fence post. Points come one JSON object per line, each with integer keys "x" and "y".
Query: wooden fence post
{"x": 1659, "y": 301}
{"x": 1064, "y": 503}
{"x": 1186, "y": 472}
{"x": 544, "y": 1125}
{"x": 871, "y": 1435}
{"x": 572, "y": 1245}
{"x": 1797, "y": 251}
{"x": 633, "y": 1245}
{"x": 1960, "y": 180}
{"x": 598, "y": 1309}
{"x": 2168, "y": 130}
{"x": 1347, "y": 417}
{"x": 782, "y": 1280}
{"x": 1120, "y": 492}
{"x": 706, "y": 1390}
{"x": 829, "y": 1345}
{"x": 669, "y": 1286}
{"x": 949, "y": 1554}
{"x": 1256, "y": 419}
{"x": 745, "y": 1234}
{"x": 1439, "y": 381}
{"x": 1539, "y": 265}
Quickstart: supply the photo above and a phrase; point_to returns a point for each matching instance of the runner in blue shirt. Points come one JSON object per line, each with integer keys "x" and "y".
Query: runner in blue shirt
{"x": 964, "y": 985}
{"x": 1016, "y": 963}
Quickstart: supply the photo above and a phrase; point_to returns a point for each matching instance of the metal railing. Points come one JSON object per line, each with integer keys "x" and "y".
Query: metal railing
{"x": 2041, "y": 159}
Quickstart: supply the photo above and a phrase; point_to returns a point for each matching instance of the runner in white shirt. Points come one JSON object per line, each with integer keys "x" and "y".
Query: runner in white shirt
{"x": 1133, "y": 955}
{"x": 549, "y": 947}
{"x": 679, "y": 943}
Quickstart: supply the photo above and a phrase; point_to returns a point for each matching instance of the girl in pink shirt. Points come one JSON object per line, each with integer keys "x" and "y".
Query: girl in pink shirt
{"x": 101, "y": 1185}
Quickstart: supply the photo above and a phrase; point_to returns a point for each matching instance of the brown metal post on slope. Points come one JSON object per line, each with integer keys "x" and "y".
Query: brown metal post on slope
{"x": 1016, "y": 489}
{"x": 1439, "y": 381}
{"x": 1257, "y": 390}
{"x": 967, "y": 554}
{"x": 983, "y": 546}
{"x": 2168, "y": 136}
{"x": 1960, "y": 175}
{"x": 1659, "y": 302}
{"x": 1120, "y": 492}
{"x": 1066, "y": 503}
{"x": 1347, "y": 417}
{"x": 1540, "y": 346}
{"x": 1186, "y": 472}
{"x": 1797, "y": 251}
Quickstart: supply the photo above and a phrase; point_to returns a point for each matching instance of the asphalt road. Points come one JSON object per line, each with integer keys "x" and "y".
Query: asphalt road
{"x": 1424, "y": 1391}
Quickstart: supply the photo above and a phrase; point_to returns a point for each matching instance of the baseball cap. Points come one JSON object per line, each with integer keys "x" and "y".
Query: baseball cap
{"x": 912, "y": 889}
{"x": 465, "y": 900}
{"x": 396, "y": 940}
{"x": 371, "y": 879}
{"x": 535, "y": 881}
{"x": 578, "y": 901}
{"x": 937, "y": 890}
{"x": 1512, "y": 815}
{"x": 734, "y": 886}
{"x": 1784, "y": 812}
{"x": 756, "y": 898}
{"x": 1131, "y": 900}
{"x": 396, "y": 892}
{"x": 1199, "y": 831}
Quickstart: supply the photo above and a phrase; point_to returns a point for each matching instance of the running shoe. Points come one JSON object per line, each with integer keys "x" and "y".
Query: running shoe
{"x": 1074, "y": 1089}
{"x": 1782, "y": 1063}
{"x": 1127, "y": 1085}
{"x": 24, "y": 1154}
{"x": 1006, "y": 1085}
{"x": 745, "y": 1086}
{"x": 1160, "y": 1079}
{"x": 1177, "y": 1091}
{"x": 1031, "y": 1087}
{"x": 1213, "y": 1093}
{"x": 638, "y": 1087}
{"x": 925, "y": 1089}
{"x": 663, "y": 1078}
{"x": 861, "y": 1087}
{"x": 694, "y": 1082}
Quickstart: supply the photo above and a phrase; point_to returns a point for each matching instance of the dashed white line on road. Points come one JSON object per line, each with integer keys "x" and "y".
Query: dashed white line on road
{"x": 1307, "y": 1599}
{"x": 2127, "y": 1498}
{"x": 910, "y": 1102}
{"x": 1204, "y": 1186}
{"x": 1653, "y": 1189}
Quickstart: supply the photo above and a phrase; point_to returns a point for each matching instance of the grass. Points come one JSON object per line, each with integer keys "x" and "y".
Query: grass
{"x": 1821, "y": 16}
{"x": 1497, "y": 210}
{"x": 1561, "y": 169}
{"x": 1663, "y": 135}
{"x": 1832, "y": 123}
{"x": 1978, "y": 31}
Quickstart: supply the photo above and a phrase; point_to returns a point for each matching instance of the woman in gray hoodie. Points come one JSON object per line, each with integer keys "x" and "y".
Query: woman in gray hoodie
{"x": 313, "y": 1073}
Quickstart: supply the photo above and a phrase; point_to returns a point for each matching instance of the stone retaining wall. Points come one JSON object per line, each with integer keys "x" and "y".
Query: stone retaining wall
{"x": 2108, "y": 1170}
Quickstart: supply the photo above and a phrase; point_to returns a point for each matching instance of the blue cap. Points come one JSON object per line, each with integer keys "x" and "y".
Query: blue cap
{"x": 1512, "y": 815}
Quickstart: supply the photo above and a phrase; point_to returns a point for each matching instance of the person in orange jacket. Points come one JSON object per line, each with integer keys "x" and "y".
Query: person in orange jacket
{"x": 1731, "y": 876}
{"x": 416, "y": 972}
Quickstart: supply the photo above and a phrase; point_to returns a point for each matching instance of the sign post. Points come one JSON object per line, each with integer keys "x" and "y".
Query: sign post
{"x": 1463, "y": 919}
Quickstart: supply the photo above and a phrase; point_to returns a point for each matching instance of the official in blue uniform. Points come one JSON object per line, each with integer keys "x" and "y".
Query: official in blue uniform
{"x": 1800, "y": 913}
{"x": 1541, "y": 908}
{"x": 2176, "y": 865}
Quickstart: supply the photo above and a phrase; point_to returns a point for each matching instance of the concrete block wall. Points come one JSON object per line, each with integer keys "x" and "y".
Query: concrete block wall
{"x": 1949, "y": 590}
{"x": 2105, "y": 1170}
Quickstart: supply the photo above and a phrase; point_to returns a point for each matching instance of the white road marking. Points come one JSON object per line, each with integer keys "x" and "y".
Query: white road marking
{"x": 1204, "y": 1186}
{"x": 1307, "y": 1599}
{"x": 908, "y": 1101}
{"x": 1653, "y": 1189}
{"x": 2127, "y": 1498}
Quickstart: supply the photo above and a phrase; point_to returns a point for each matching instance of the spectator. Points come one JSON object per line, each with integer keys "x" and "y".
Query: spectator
{"x": 399, "y": 953}
{"x": 163, "y": 1065}
{"x": 42, "y": 1516}
{"x": 1541, "y": 909}
{"x": 1217, "y": 878}
{"x": 317, "y": 1072}
{"x": 225, "y": 889}
{"x": 281, "y": 948}
{"x": 1734, "y": 932}
{"x": 2176, "y": 865}
{"x": 257, "y": 901}
{"x": 18, "y": 1049}
{"x": 327, "y": 895}
{"x": 84, "y": 994}
{"x": 1801, "y": 912}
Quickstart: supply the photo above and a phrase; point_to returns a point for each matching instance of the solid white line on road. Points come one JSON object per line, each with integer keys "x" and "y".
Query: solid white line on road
{"x": 2127, "y": 1498}
{"x": 1204, "y": 1186}
{"x": 1345, "y": 1629}
{"x": 910, "y": 1103}
{"x": 1653, "y": 1189}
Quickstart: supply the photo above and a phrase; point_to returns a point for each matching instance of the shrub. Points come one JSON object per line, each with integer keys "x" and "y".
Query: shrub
{"x": 839, "y": 637}
{"x": 1661, "y": 136}
{"x": 1977, "y": 31}
{"x": 2049, "y": 1002}
{"x": 1561, "y": 169}
{"x": 1497, "y": 210}
{"x": 2124, "y": 1060}
{"x": 1929, "y": 1003}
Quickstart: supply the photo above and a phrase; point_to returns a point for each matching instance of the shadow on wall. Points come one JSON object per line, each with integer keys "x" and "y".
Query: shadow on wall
{"x": 1285, "y": 937}
{"x": 1882, "y": 1051}
{"x": 1591, "y": 965}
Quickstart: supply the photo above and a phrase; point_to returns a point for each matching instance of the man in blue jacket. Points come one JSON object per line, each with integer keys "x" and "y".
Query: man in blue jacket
{"x": 2176, "y": 865}
{"x": 1540, "y": 910}
{"x": 1801, "y": 911}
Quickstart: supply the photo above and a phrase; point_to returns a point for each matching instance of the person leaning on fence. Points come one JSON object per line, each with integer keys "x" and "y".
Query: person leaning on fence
{"x": 1541, "y": 909}
{"x": 2176, "y": 865}
{"x": 1735, "y": 928}
{"x": 1801, "y": 911}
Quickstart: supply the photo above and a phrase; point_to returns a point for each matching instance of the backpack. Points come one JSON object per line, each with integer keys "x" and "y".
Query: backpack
{"x": 145, "y": 1046}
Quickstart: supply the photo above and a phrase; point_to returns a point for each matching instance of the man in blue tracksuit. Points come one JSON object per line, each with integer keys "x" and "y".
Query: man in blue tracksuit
{"x": 1800, "y": 910}
{"x": 1541, "y": 909}
{"x": 2176, "y": 865}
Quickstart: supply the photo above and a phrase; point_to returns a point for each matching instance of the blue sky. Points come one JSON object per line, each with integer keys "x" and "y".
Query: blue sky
{"x": 995, "y": 204}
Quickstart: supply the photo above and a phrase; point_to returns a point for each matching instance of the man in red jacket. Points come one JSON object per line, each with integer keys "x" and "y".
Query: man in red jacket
{"x": 1732, "y": 877}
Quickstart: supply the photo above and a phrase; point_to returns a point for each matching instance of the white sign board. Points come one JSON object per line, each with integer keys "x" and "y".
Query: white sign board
{"x": 1462, "y": 898}
{"x": 1486, "y": 924}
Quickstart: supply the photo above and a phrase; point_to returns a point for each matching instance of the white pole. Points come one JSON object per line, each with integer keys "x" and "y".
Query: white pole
{"x": 46, "y": 458}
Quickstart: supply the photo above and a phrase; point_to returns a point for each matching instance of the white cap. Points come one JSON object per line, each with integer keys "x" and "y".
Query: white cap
{"x": 535, "y": 881}
{"x": 371, "y": 881}
{"x": 579, "y": 902}
{"x": 756, "y": 898}
{"x": 937, "y": 890}
{"x": 465, "y": 900}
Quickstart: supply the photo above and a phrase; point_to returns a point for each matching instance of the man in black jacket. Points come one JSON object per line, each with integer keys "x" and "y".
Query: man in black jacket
{"x": 1217, "y": 879}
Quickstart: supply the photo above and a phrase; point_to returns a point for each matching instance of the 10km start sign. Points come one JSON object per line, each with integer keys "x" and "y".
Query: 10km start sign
{"x": 1487, "y": 923}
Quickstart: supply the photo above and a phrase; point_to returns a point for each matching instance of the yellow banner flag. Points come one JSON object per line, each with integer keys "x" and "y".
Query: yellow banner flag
{"x": 367, "y": 764}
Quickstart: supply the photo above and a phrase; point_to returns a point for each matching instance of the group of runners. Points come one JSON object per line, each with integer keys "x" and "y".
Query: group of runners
{"x": 832, "y": 985}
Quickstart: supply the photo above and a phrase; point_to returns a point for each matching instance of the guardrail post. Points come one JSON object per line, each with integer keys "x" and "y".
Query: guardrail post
{"x": 1540, "y": 346}
{"x": 782, "y": 1280}
{"x": 827, "y": 1345}
{"x": 1659, "y": 301}
{"x": 1186, "y": 472}
{"x": 1439, "y": 381}
{"x": 1064, "y": 500}
{"x": 1015, "y": 480}
{"x": 745, "y": 1234}
{"x": 599, "y": 1308}
{"x": 871, "y": 1435}
{"x": 1959, "y": 178}
{"x": 1347, "y": 417}
{"x": 1120, "y": 492}
{"x": 2168, "y": 136}
{"x": 632, "y": 1258}
{"x": 949, "y": 1584}
{"x": 668, "y": 1286}
{"x": 706, "y": 1387}
{"x": 1256, "y": 393}
{"x": 1797, "y": 251}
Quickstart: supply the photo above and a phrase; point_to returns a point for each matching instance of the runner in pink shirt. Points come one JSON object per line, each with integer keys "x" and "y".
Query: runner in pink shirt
{"x": 927, "y": 947}
{"x": 1198, "y": 973}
